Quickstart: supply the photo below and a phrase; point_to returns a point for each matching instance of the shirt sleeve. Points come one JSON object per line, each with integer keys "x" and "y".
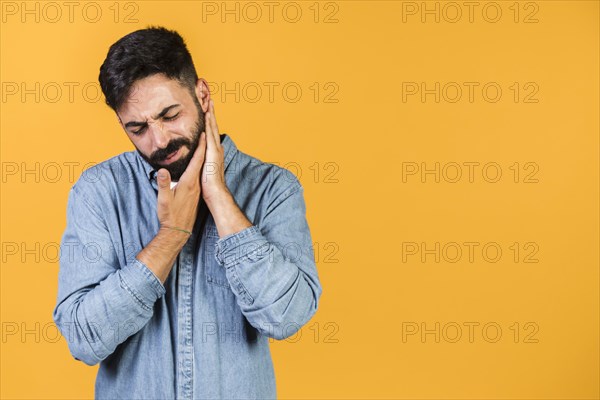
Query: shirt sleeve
{"x": 100, "y": 302}
{"x": 271, "y": 267}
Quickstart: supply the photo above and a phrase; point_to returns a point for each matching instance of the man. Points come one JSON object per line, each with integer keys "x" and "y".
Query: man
{"x": 175, "y": 288}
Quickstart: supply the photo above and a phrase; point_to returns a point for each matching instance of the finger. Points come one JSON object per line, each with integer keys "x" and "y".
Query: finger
{"x": 164, "y": 187}
{"x": 213, "y": 122}
{"x": 193, "y": 168}
{"x": 211, "y": 142}
{"x": 210, "y": 166}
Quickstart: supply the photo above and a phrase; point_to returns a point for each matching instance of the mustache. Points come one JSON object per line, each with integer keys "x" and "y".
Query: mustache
{"x": 161, "y": 154}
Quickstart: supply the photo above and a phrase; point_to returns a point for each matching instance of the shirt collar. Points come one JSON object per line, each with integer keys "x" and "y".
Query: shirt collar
{"x": 229, "y": 148}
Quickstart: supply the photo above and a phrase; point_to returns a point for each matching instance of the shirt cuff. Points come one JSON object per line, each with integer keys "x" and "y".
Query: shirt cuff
{"x": 141, "y": 283}
{"x": 231, "y": 248}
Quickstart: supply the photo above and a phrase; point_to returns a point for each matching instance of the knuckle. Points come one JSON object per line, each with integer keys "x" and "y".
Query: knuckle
{"x": 189, "y": 186}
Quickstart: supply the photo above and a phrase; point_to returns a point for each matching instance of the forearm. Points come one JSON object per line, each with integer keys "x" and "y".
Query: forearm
{"x": 229, "y": 219}
{"x": 96, "y": 321}
{"x": 160, "y": 254}
{"x": 101, "y": 301}
{"x": 277, "y": 295}
{"x": 278, "y": 290}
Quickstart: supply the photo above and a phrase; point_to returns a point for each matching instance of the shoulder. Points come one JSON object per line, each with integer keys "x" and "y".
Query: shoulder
{"x": 102, "y": 180}
{"x": 263, "y": 177}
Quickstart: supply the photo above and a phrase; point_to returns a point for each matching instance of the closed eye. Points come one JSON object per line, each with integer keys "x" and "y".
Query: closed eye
{"x": 171, "y": 118}
{"x": 142, "y": 129}
{"x": 144, "y": 125}
{"x": 139, "y": 131}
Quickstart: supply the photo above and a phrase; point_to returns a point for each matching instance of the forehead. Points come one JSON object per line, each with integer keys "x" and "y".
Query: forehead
{"x": 150, "y": 95}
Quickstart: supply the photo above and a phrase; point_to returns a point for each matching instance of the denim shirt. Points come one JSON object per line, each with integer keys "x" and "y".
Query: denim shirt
{"x": 205, "y": 333}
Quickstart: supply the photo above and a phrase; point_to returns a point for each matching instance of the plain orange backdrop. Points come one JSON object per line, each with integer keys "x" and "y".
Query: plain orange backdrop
{"x": 353, "y": 113}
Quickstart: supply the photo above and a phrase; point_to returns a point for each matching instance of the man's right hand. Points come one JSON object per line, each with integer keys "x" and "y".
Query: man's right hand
{"x": 178, "y": 207}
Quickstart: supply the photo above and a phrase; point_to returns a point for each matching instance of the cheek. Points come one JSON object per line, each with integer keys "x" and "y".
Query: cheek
{"x": 183, "y": 126}
{"x": 143, "y": 144}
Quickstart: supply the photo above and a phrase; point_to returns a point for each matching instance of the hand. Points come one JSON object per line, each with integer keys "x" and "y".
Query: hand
{"x": 178, "y": 207}
{"x": 213, "y": 171}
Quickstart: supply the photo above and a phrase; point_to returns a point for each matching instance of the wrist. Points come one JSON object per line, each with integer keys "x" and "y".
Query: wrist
{"x": 171, "y": 238}
{"x": 227, "y": 215}
{"x": 175, "y": 228}
{"x": 219, "y": 199}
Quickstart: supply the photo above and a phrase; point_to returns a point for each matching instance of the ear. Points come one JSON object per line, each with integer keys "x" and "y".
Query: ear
{"x": 203, "y": 93}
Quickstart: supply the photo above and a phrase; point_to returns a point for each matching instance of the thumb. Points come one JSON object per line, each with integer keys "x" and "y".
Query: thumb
{"x": 164, "y": 184}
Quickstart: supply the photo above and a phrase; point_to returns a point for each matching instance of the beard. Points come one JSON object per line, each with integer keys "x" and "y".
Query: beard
{"x": 177, "y": 168}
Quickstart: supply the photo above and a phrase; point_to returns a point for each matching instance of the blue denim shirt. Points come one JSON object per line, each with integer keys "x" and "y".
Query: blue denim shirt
{"x": 205, "y": 333}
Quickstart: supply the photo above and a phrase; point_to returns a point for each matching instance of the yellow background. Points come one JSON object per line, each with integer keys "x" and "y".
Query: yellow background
{"x": 353, "y": 347}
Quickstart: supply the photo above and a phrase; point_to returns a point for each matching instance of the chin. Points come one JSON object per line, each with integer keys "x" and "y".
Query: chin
{"x": 177, "y": 168}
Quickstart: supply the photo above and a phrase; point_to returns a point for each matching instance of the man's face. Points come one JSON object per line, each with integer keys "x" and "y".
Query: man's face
{"x": 164, "y": 122}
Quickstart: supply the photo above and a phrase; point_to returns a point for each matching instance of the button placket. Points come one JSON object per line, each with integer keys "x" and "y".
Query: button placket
{"x": 185, "y": 343}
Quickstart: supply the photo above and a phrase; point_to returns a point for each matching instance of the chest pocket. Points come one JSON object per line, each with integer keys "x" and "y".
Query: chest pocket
{"x": 214, "y": 272}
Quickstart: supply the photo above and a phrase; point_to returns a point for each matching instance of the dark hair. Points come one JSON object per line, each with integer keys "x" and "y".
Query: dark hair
{"x": 154, "y": 50}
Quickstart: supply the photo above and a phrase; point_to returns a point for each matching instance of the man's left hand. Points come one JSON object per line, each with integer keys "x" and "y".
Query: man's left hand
{"x": 213, "y": 171}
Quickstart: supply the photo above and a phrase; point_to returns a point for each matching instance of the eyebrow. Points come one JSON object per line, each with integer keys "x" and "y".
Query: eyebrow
{"x": 160, "y": 115}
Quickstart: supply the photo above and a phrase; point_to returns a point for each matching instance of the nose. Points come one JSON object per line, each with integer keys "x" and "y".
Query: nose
{"x": 160, "y": 139}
